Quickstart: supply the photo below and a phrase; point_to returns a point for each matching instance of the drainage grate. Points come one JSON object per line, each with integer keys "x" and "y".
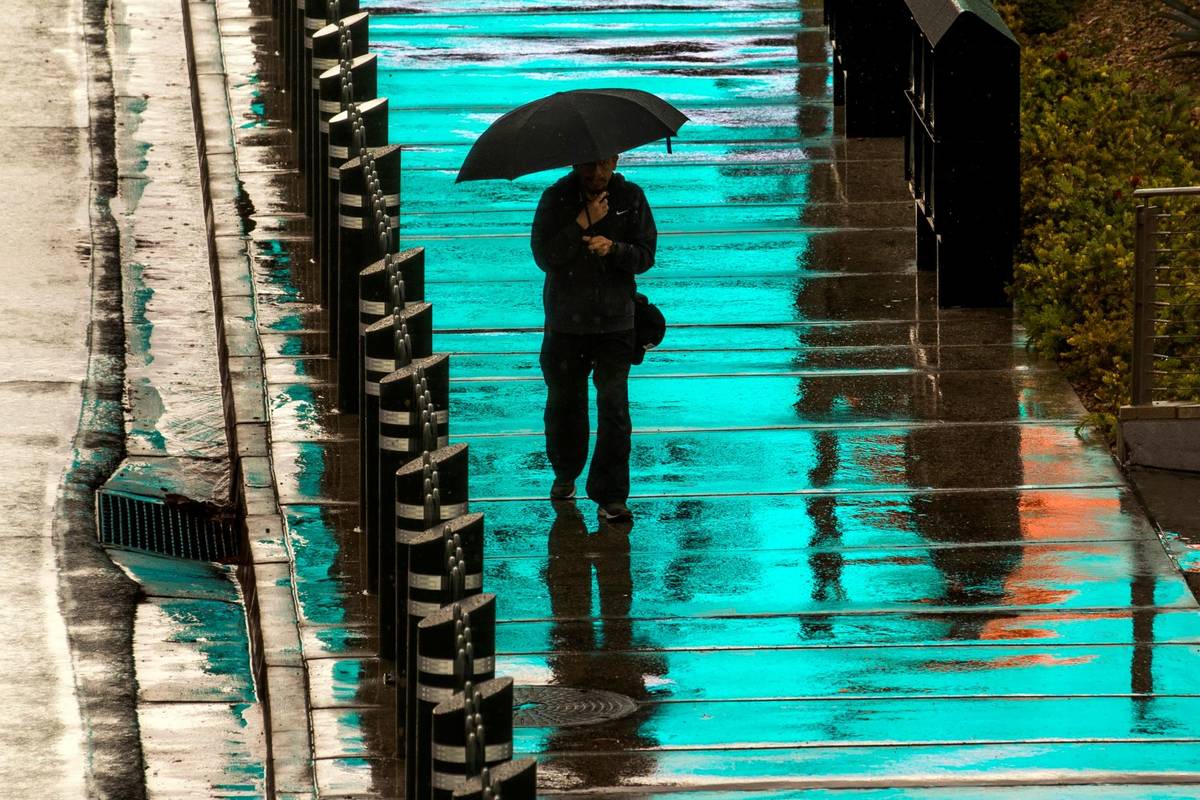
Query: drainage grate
{"x": 153, "y": 524}
{"x": 561, "y": 707}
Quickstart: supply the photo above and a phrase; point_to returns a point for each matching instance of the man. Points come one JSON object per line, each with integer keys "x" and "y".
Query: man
{"x": 592, "y": 233}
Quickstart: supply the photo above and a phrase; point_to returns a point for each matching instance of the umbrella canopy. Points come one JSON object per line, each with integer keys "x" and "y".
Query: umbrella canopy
{"x": 568, "y": 128}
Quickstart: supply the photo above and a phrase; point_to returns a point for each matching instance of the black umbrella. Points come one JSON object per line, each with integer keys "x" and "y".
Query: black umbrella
{"x": 568, "y": 128}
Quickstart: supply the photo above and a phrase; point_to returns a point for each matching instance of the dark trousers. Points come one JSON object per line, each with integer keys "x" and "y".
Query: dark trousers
{"x": 567, "y": 359}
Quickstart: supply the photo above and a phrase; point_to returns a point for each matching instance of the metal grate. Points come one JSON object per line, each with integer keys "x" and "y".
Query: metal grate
{"x": 153, "y": 524}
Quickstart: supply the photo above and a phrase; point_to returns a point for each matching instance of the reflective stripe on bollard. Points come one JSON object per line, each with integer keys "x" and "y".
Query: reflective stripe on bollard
{"x": 317, "y": 15}
{"x": 374, "y": 303}
{"x": 358, "y": 247}
{"x": 472, "y": 730}
{"x": 371, "y": 119}
{"x": 400, "y": 440}
{"x": 425, "y": 558}
{"x": 380, "y": 358}
{"x": 430, "y": 489}
{"x": 345, "y": 39}
{"x": 516, "y": 780}
{"x": 455, "y": 644}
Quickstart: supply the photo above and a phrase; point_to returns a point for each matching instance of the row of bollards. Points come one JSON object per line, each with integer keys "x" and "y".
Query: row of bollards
{"x": 424, "y": 550}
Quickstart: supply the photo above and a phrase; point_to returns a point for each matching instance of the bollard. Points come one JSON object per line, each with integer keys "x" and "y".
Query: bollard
{"x": 366, "y": 243}
{"x": 317, "y": 14}
{"x": 428, "y": 490}
{"x": 347, "y": 132}
{"x": 374, "y": 303}
{"x": 379, "y": 359}
{"x": 420, "y": 327}
{"x": 473, "y": 730}
{"x": 350, "y": 82}
{"x": 399, "y": 437}
{"x": 441, "y": 565}
{"x": 384, "y": 192}
{"x": 294, "y": 34}
{"x": 345, "y": 39}
{"x": 409, "y": 266}
{"x": 432, "y": 489}
{"x": 455, "y": 644}
{"x": 516, "y": 780}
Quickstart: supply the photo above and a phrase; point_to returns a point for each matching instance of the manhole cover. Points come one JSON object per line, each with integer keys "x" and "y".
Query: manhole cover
{"x": 558, "y": 706}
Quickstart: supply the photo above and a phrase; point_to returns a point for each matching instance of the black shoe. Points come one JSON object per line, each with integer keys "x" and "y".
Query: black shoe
{"x": 614, "y": 512}
{"x": 562, "y": 490}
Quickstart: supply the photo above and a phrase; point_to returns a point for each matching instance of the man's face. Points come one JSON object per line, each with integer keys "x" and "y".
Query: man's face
{"x": 594, "y": 176}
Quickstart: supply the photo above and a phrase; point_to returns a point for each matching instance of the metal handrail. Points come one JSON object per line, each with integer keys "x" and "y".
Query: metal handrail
{"x": 1147, "y": 283}
{"x": 1166, "y": 191}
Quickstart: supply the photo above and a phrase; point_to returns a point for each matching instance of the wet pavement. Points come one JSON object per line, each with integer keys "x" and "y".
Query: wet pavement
{"x": 872, "y": 555}
{"x": 199, "y": 713}
{"x": 44, "y": 312}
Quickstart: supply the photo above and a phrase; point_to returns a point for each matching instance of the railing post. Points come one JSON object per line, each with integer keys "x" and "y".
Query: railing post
{"x": 1143, "y": 305}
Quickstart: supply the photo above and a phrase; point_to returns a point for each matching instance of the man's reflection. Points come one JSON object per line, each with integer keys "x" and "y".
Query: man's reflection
{"x": 595, "y": 648}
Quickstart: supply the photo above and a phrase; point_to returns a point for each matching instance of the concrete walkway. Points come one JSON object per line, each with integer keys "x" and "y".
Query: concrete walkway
{"x": 871, "y": 554}
{"x": 44, "y": 310}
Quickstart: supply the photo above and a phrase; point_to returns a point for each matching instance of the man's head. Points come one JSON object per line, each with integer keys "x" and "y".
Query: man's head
{"x": 594, "y": 175}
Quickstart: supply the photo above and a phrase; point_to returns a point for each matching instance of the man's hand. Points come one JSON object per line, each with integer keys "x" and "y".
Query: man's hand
{"x": 600, "y": 245}
{"x": 594, "y": 211}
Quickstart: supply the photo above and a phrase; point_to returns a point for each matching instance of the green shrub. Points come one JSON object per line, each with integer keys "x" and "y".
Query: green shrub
{"x": 1088, "y": 140}
{"x": 1043, "y": 16}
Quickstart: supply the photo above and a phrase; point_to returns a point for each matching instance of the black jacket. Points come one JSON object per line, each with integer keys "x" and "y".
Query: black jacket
{"x": 584, "y": 293}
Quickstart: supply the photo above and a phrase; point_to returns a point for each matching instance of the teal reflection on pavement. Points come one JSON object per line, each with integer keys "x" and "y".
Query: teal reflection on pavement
{"x": 869, "y": 542}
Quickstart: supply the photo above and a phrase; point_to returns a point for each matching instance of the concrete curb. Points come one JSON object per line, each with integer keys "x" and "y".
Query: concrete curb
{"x": 265, "y": 571}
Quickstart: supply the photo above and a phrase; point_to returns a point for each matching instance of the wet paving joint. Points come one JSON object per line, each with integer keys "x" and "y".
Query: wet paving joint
{"x": 870, "y": 551}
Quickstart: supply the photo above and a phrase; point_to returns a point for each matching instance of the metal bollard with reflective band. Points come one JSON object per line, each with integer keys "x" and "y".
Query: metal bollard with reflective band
{"x": 317, "y": 14}
{"x": 345, "y": 88}
{"x": 374, "y": 303}
{"x": 370, "y": 120}
{"x": 349, "y": 34}
{"x": 345, "y": 333}
{"x": 441, "y": 565}
{"x": 416, "y": 319}
{"x": 343, "y": 316}
{"x": 516, "y": 780}
{"x": 430, "y": 490}
{"x": 472, "y": 731}
{"x": 455, "y": 644}
{"x": 383, "y": 166}
{"x": 400, "y": 432}
{"x": 352, "y": 81}
{"x": 380, "y": 358}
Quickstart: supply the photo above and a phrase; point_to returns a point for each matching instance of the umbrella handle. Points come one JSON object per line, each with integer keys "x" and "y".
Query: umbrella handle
{"x": 668, "y": 145}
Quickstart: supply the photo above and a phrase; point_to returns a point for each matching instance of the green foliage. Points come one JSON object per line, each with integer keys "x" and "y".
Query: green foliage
{"x": 1089, "y": 140}
{"x": 1187, "y": 40}
{"x": 1039, "y": 16}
